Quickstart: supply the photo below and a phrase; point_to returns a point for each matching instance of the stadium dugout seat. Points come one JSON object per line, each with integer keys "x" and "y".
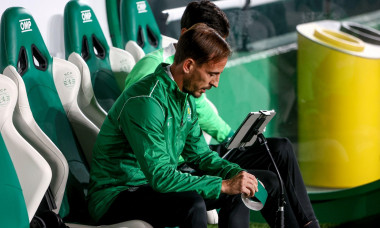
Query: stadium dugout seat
{"x": 84, "y": 39}
{"x": 33, "y": 172}
{"x": 47, "y": 81}
{"x": 29, "y": 129}
{"x": 132, "y": 24}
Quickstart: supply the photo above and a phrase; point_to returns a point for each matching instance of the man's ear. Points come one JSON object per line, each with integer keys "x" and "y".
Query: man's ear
{"x": 188, "y": 65}
{"x": 183, "y": 30}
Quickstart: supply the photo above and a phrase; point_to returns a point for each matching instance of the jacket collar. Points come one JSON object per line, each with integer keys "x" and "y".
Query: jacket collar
{"x": 172, "y": 86}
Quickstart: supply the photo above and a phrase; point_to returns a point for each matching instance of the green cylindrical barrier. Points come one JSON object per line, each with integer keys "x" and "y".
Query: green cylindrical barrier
{"x": 338, "y": 108}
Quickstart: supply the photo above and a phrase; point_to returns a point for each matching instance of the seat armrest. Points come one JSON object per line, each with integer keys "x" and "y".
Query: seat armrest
{"x": 67, "y": 80}
{"x": 86, "y": 98}
{"x": 32, "y": 133}
{"x": 32, "y": 170}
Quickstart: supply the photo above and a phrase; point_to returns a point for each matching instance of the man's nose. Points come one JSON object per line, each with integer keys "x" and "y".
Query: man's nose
{"x": 215, "y": 82}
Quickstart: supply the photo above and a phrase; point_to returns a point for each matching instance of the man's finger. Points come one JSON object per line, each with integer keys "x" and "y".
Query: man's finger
{"x": 251, "y": 191}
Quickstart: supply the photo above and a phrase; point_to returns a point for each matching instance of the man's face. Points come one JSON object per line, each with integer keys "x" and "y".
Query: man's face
{"x": 202, "y": 77}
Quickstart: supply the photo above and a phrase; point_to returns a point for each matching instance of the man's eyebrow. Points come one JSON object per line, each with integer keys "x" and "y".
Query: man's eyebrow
{"x": 215, "y": 72}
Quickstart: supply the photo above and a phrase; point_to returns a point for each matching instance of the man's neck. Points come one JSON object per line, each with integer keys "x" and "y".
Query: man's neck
{"x": 176, "y": 72}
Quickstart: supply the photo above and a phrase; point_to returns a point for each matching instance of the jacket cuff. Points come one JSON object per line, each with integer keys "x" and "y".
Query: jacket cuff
{"x": 229, "y": 136}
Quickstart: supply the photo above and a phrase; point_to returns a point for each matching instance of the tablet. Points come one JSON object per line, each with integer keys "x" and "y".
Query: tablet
{"x": 253, "y": 124}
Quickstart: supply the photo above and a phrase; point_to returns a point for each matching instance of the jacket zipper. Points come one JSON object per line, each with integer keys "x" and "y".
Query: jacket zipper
{"x": 183, "y": 110}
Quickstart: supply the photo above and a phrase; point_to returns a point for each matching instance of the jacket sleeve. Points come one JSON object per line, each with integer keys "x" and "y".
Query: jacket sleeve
{"x": 198, "y": 153}
{"x": 142, "y": 121}
{"x": 143, "y": 67}
{"x": 210, "y": 121}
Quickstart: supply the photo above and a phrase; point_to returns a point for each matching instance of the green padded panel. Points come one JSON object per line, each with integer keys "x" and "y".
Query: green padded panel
{"x": 113, "y": 18}
{"x": 16, "y": 50}
{"x": 84, "y": 35}
{"x": 138, "y": 24}
{"x": 13, "y": 211}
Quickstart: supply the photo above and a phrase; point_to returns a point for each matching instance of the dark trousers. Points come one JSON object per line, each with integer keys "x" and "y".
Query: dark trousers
{"x": 298, "y": 209}
{"x": 184, "y": 209}
{"x": 188, "y": 209}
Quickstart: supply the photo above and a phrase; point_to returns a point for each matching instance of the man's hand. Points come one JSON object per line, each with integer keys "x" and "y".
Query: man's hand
{"x": 244, "y": 183}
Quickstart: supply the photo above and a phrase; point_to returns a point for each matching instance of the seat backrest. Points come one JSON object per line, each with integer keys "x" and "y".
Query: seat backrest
{"x": 32, "y": 170}
{"x": 137, "y": 23}
{"x": 23, "y": 48}
{"x": 84, "y": 36}
{"x": 113, "y": 18}
{"x": 86, "y": 97}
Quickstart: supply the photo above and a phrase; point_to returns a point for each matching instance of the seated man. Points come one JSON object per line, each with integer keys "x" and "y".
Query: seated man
{"x": 298, "y": 210}
{"x": 208, "y": 13}
{"x": 134, "y": 168}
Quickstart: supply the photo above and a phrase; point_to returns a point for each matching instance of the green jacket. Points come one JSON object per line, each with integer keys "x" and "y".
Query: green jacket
{"x": 147, "y": 129}
{"x": 209, "y": 120}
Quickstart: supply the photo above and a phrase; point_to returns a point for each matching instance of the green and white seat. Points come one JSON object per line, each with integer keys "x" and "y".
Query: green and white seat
{"x": 107, "y": 66}
{"x": 23, "y": 116}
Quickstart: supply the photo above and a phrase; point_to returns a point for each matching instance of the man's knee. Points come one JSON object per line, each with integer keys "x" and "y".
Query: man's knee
{"x": 271, "y": 184}
{"x": 195, "y": 211}
{"x": 194, "y": 203}
{"x": 282, "y": 148}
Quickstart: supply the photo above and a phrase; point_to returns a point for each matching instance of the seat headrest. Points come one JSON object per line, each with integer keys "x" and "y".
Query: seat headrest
{"x": 137, "y": 23}
{"x": 22, "y": 45}
{"x": 83, "y": 33}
